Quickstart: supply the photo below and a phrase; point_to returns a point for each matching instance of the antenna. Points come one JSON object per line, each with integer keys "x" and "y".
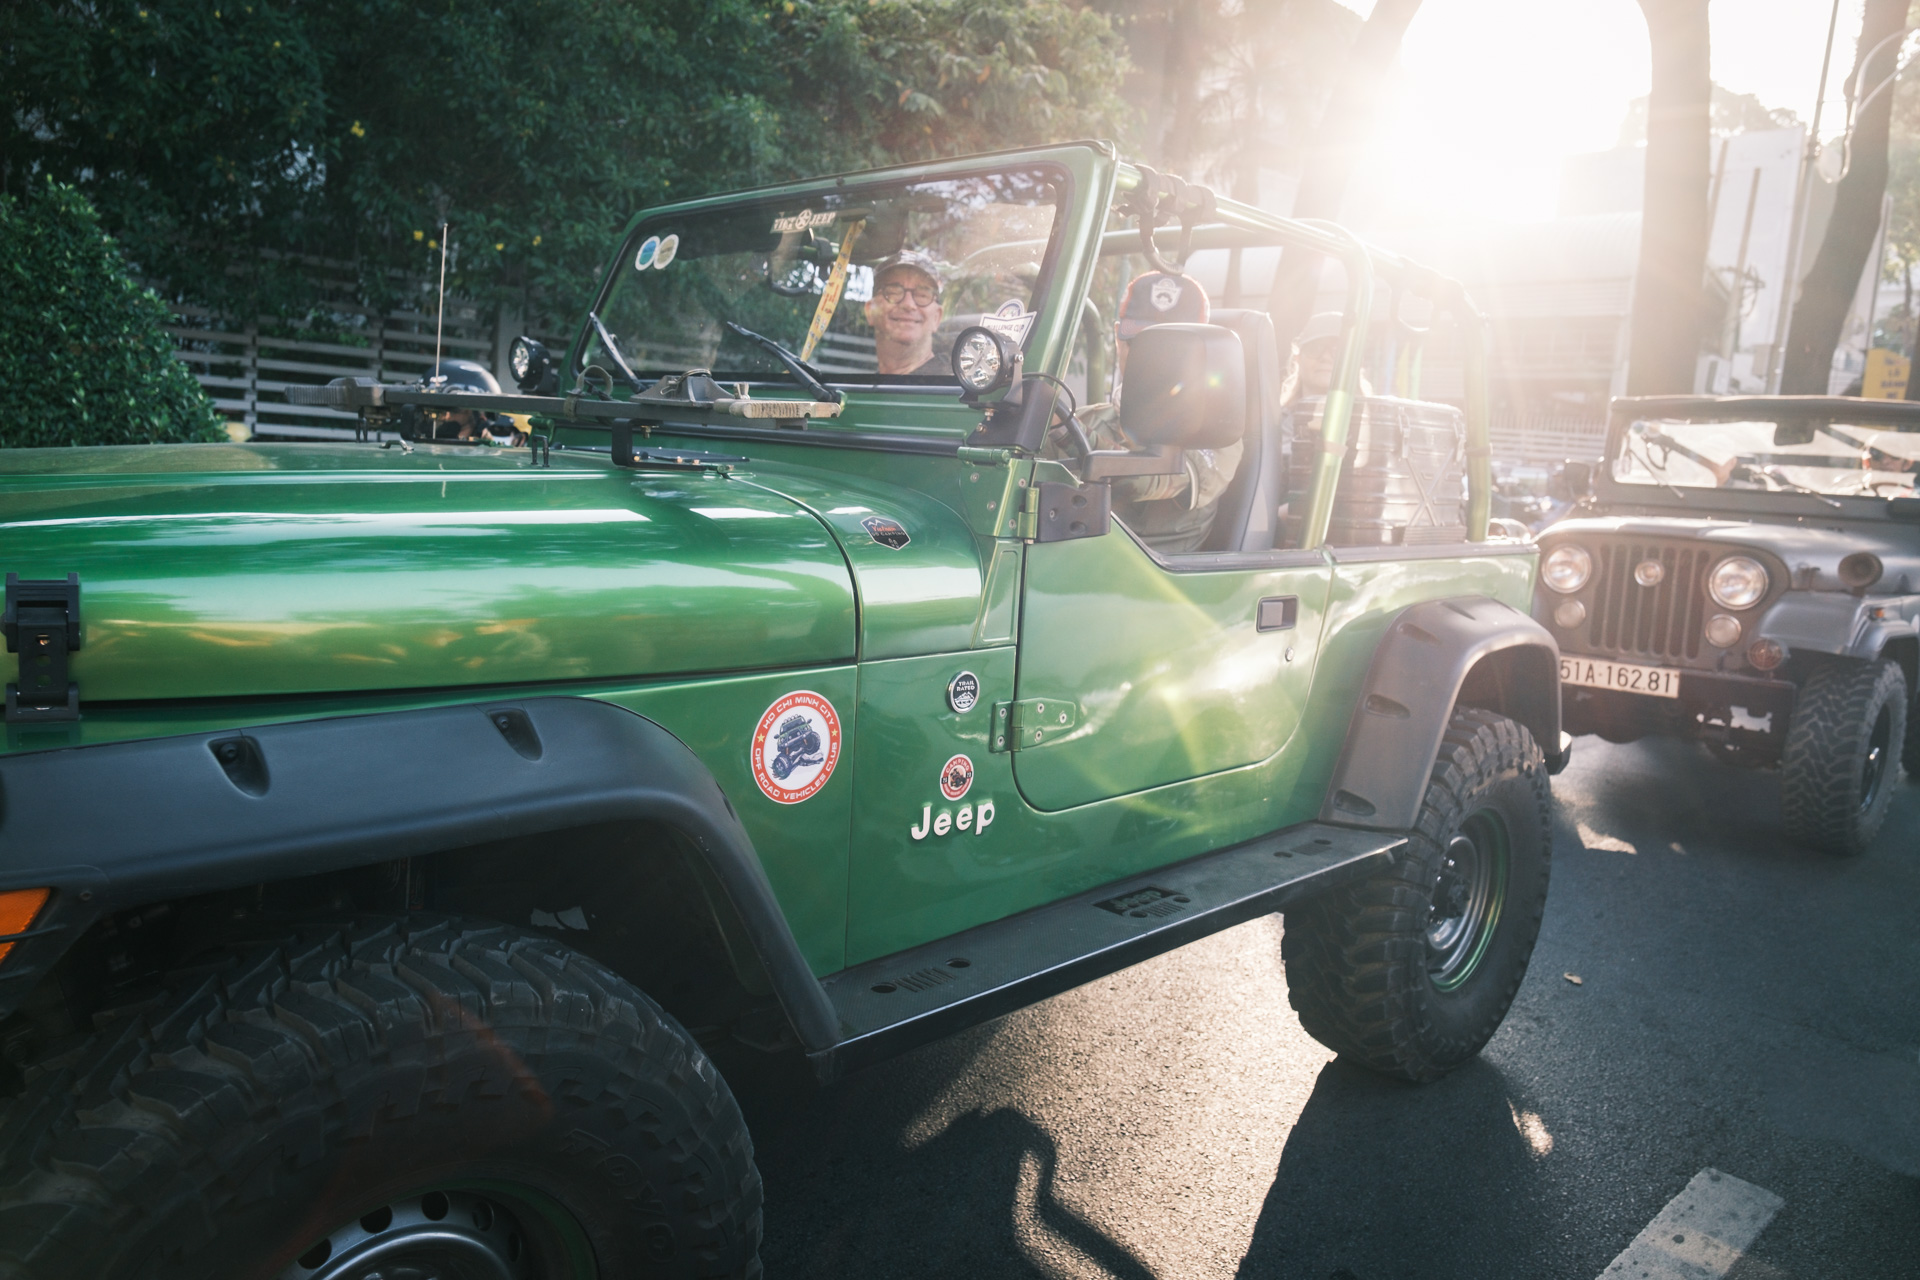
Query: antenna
{"x": 440, "y": 311}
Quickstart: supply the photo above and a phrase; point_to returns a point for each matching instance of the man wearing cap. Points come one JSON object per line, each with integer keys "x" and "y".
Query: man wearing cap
{"x": 1172, "y": 513}
{"x": 1319, "y": 345}
{"x": 904, "y": 312}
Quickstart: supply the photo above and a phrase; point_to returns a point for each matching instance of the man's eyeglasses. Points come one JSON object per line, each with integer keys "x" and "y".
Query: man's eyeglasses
{"x": 923, "y": 295}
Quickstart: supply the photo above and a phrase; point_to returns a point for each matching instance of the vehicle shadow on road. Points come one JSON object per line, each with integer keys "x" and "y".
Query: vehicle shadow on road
{"x": 1376, "y": 1172}
{"x": 855, "y": 1189}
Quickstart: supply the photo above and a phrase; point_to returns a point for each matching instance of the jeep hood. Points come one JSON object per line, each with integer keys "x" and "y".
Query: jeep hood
{"x": 220, "y": 571}
{"x": 1802, "y": 546}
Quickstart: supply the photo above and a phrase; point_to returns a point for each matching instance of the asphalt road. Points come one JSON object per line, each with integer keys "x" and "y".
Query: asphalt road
{"x": 1743, "y": 1005}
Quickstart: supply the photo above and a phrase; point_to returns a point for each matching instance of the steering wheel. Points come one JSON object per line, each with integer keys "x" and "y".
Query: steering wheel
{"x": 1902, "y": 488}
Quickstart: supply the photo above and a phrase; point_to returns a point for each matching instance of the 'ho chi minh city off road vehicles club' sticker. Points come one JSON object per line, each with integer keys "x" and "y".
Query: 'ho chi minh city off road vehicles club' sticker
{"x": 795, "y": 747}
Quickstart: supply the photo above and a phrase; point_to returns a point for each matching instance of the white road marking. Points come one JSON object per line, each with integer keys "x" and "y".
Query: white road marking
{"x": 1701, "y": 1233}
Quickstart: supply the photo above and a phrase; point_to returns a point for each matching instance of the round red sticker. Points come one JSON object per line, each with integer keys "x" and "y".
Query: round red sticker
{"x": 956, "y": 775}
{"x": 795, "y": 747}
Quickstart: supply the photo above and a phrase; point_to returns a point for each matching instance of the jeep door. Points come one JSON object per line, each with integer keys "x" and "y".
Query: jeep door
{"x": 1170, "y": 667}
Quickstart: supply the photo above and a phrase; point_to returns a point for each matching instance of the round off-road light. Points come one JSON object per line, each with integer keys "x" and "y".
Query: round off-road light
{"x": 980, "y": 360}
{"x": 1765, "y": 654}
{"x": 1723, "y": 630}
{"x": 528, "y": 360}
{"x": 1569, "y": 614}
{"x": 1860, "y": 570}
{"x": 1649, "y": 573}
{"x": 1737, "y": 582}
{"x": 1567, "y": 568}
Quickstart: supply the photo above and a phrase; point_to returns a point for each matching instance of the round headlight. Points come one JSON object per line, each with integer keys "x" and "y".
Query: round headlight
{"x": 979, "y": 359}
{"x": 1567, "y": 567}
{"x": 1737, "y": 582}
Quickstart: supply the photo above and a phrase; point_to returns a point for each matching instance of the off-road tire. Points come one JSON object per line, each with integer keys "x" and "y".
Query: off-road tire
{"x": 1359, "y": 965}
{"x": 1832, "y": 798}
{"x": 1910, "y": 753}
{"x": 274, "y": 1094}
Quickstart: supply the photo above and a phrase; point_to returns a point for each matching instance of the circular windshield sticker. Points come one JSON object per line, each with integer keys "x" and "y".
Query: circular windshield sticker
{"x": 795, "y": 747}
{"x": 648, "y": 248}
{"x": 669, "y": 245}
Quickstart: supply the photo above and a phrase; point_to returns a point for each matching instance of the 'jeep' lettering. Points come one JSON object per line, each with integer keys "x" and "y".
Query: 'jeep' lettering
{"x": 978, "y": 817}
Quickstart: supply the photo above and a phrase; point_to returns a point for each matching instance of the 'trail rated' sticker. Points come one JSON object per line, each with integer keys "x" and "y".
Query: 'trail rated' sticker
{"x": 795, "y": 747}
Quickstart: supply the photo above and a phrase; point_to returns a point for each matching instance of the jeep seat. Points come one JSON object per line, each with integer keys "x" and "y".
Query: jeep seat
{"x": 1249, "y": 508}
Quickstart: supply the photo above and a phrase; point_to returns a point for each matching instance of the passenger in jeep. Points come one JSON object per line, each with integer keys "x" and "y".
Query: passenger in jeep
{"x": 904, "y": 312}
{"x": 1170, "y": 513}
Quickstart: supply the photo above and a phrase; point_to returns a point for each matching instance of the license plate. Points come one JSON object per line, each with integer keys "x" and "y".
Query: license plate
{"x": 1592, "y": 673}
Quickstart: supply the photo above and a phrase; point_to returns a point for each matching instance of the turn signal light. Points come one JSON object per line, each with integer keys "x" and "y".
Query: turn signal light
{"x": 1766, "y": 654}
{"x": 18, "y": 907}
{"x": 1723, "y": 630}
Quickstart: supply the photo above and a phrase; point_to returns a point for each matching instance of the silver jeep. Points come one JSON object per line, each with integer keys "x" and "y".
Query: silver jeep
{"x": 1745, "y": 571}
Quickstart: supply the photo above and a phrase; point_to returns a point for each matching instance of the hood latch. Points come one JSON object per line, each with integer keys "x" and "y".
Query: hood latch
{"x": 42, "y": 625}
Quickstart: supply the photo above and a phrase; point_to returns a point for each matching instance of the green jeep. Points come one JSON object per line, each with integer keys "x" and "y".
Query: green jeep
{"x": 391, "y": 827}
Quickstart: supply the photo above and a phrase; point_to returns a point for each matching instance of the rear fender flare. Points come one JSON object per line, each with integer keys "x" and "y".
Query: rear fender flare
{"x": 123, "y": 824}
{"x": 1432, "y": 656}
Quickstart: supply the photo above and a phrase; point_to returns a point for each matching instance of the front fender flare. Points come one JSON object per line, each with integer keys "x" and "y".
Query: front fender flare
{"x": 117, "y": 825}
{"x": 1419, "y": 668}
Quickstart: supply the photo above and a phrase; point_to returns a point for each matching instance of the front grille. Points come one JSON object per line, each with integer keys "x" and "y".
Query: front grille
{"x": 1661, "y": 621}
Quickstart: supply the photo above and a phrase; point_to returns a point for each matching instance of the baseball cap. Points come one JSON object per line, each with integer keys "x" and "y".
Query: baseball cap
{"x": 1321, "y": 327}
{"x": 1161, "y": 297}
{"x": 920, "y": 262}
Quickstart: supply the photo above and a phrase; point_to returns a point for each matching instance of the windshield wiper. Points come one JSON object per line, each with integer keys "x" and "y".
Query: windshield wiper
{"x": 1659, "y": 472}
{"x": 1774, "y": 474}
{"x": 803, "y": 373}
{"x": 613, "y": 349}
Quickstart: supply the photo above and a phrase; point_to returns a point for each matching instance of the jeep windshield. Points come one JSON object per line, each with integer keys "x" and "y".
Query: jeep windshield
{"x": 869, "y": 284}
{"x": 1824, "y": 456}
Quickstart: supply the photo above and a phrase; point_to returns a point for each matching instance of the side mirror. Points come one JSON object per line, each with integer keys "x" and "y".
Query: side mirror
{"x": 1579, "y": 478}
{"x": 1186, "y": 387}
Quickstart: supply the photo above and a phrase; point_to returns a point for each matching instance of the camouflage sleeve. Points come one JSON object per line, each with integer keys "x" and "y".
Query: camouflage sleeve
{"x": 1212, "y": 471}
{"x": 1203, "y": 480}
{"x": 1200, "y": 482}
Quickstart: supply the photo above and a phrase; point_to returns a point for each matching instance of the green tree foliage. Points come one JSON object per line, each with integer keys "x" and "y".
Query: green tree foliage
{"x": 1729, "y": 113}
{"x": 1903, "y": 220}
{"x": 92, "y": 364}
{"x": 868, "y": 82}
{"x": 1227, "y": 88}
{"x": 222, "y": 142}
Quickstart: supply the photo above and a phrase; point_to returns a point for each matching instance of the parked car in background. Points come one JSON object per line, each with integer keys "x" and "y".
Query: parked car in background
{"x": 1745, "y": 572}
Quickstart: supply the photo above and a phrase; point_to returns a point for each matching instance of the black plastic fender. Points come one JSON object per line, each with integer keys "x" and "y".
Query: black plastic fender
{"x": 122, "y": 824}
{"x": 1419, "y": 669}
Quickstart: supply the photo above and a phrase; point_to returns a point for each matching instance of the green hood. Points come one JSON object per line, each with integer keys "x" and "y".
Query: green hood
{"x": 244, "y": 570}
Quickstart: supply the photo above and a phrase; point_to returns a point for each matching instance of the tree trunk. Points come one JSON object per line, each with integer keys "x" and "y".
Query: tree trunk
{"x": 1186, "y": 60}
{"x": 1668, "y": 287}
{"x": 1344, "y": 129}
{"x": 1827, "y": 292}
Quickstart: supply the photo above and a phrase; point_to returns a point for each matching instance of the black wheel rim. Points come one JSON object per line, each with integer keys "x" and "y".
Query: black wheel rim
{"x": 484, "y": 1232}
{"x": 1873, "y": 770}
{"x": 1469, "y": 891}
